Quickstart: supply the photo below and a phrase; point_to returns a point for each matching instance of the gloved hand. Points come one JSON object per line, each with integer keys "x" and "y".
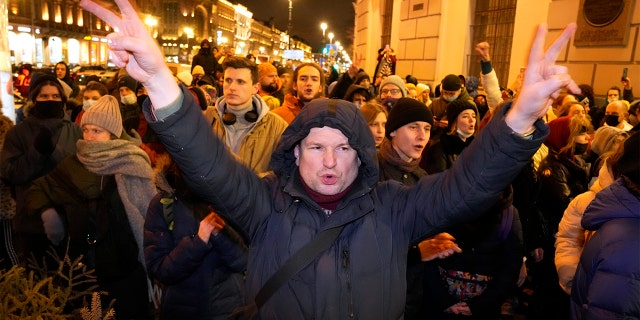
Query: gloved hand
{"x": 43, "y": 142}
{"x": 53, "y": 226}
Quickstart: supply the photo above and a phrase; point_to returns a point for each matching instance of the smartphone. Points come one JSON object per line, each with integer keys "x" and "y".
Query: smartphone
{"x": 624, "y": 73}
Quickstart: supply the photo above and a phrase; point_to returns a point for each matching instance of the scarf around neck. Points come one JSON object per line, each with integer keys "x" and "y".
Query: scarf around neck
{"x": 131, "y": 168}
{"x": 390, "y": 155}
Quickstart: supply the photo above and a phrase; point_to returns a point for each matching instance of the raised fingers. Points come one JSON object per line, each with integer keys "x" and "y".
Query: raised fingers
{"x": 555, "y": 48}
{"x": 110, "y": 17}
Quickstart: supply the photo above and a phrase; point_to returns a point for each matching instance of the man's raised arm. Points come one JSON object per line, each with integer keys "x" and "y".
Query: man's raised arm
{"x": 133, "y": 48}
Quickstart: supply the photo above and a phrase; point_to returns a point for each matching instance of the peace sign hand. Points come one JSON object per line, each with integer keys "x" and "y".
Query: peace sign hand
{"x": 543, "y": 81}
{"x": 133, "y": 48}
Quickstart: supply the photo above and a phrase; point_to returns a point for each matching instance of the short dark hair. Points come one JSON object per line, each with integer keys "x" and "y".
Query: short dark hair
{"x": 615, "y": 88}
{"x": 242, "y": 63}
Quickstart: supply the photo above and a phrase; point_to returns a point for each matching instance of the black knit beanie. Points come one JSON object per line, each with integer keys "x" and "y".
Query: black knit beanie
{"x": 455, "y": 108}
{"x": 405, "y": 111}
{"x": 451, "y": 83}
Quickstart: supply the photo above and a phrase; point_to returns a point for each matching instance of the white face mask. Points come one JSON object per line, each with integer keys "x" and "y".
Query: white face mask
{"x": 88, "y": 104}
{"x": 452, "y": 98}
{"x": 129, "y": 99}
{"x": 464, "y": 135}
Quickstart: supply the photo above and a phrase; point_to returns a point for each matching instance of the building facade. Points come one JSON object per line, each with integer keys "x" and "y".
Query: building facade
{"x": 433, "y": 38}
{"x": 47, "y": 31}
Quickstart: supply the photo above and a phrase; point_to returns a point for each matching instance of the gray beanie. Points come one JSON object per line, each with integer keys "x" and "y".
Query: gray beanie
{"x": 604, "y": 139}
{"x": 397, "y": 81}
{"x": 104, "y": 113}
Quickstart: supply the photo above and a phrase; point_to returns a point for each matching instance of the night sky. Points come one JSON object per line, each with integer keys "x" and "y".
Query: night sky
{"x": 307, "y": 16}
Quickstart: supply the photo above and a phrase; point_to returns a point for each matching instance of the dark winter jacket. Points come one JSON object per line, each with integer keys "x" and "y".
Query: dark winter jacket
{"x": 207, "y": 61}
{"x": 561, "y": 179}
{"x": 391, "y": 172}
{"x": 362, "y": 274}
{"x": 92, "y": 210}
{"x": 21, "y": 163}
{"x": 442, "y": 154}
{"x": 606, "y": 284}
{"x": 201, "y": 280}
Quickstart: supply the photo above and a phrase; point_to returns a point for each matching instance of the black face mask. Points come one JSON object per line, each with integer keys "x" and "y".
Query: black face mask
{"x": 580, "y": 148}
{"x": 48, "y": 109}
{"x": 206, "y": 50}
{"x": 612, "y": 120}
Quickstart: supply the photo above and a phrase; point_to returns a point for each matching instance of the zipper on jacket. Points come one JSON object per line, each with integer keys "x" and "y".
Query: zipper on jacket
{"x": 346, "y": 265}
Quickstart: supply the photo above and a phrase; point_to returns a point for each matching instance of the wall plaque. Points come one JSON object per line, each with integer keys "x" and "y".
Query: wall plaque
{"x": 603, "y": 23}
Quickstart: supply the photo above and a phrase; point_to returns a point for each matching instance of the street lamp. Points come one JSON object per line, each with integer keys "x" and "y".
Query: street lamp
{"x": 330, "y": 37}
{"x": 290, "y": 25}
{"x": 323, "y": 26}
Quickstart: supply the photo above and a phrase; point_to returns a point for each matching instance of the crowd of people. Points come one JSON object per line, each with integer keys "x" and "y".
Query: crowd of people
{"x": 246, "y": 189}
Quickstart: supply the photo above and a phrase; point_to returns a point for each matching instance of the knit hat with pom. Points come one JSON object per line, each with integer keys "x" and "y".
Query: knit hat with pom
{"x": 104, "y": 113}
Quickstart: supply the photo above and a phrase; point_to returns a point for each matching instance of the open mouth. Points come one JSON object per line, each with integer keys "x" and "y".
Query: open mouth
{"x": 329, "y": 179}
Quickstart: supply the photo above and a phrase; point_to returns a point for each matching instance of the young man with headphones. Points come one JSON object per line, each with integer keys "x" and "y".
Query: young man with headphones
{"x": 242, "y": 119}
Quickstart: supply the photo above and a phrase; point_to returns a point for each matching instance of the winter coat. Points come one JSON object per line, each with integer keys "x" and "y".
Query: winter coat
{"x": 363, "y": 274}
{"x": 201, "y": 280}
{"x": 91, "y": 209}
{"x": 289, "y": 108}
{"x": 415, "y": 265}
{"x": 258, "y": 144}
{"x": 606, "y": 284}
{"x": 561, "y": 179}
{"x": 390, "y": 172}
{"x": 207, "y": 61}
{"x": 571, "y": 237}
{"x": 21, "y": 163}
{"x": 442, "y": 154}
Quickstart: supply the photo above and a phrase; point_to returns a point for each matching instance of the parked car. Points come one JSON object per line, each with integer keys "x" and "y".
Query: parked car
{"x": 104, "y": 73}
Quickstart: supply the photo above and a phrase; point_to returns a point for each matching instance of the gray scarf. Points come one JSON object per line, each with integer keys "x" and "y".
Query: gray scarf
{"x": 133, "y": 174}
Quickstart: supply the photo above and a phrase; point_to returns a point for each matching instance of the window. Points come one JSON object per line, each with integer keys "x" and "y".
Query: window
{"x": 493, "y": 22}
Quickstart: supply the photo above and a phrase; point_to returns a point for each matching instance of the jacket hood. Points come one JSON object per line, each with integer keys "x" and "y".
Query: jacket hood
{"x": 611, "y": 203}
{"x": 353, "y": 89}
{"x": 337, "y": 114}
{"x": 361, "y": 75}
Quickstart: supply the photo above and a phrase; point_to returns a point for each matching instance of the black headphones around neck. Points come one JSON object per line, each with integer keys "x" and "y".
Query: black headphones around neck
{"x": 230, "y": 118}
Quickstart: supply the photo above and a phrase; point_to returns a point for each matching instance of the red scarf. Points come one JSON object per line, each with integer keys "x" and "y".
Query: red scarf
{"x": 324, "y": 201}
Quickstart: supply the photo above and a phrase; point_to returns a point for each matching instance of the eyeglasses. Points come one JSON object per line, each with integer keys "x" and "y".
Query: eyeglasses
{"x": 389, "y": 91}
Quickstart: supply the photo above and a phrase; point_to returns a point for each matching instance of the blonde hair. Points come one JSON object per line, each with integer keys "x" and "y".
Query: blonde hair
{"x": 577, "y": 126}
